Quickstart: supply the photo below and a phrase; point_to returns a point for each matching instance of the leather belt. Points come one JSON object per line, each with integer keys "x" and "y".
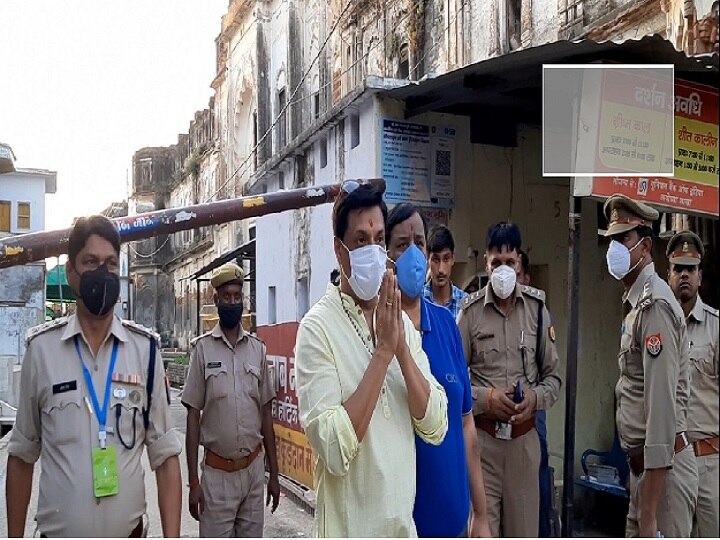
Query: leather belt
{"x": 637, "y": 460}
{"x": 490, "y": 426}
{"x": 137, "y": 532}
{"x": 706, "y": 447}
{"x": 230, "y": 465}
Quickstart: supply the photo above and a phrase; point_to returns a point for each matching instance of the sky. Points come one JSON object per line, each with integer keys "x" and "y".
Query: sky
{"x": 86, "y": 83}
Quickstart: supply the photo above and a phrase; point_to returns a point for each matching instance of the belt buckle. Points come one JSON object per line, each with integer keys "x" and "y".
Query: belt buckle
{"x": 503, "y": 431}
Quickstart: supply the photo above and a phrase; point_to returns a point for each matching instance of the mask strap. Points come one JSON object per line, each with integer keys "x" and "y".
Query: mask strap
{"x": 342, "y": 271}
{"x": 636, "y": 245}
{"x": 641, "y": 258}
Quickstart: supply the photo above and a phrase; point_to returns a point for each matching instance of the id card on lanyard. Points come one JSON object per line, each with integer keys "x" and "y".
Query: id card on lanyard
{"x": 104, "y": 459}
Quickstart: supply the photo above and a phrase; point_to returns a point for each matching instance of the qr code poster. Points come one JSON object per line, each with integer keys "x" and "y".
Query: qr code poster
{"x": 442, "y": 181}
{"x": 418, "y": 163}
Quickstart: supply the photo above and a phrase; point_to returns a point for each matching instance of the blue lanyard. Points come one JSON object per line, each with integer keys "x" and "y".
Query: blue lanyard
{"x": 101, "y": 413}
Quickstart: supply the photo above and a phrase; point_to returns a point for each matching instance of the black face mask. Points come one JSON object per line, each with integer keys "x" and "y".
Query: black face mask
{"x": 230, "y": 315}
{"x": 99, "y": 290}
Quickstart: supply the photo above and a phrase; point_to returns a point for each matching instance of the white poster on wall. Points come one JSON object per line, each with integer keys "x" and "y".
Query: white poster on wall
{"x": 418, "y": 163}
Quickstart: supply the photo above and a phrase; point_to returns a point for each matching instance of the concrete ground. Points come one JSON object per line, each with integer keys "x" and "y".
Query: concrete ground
{"x": 290, "y": 520}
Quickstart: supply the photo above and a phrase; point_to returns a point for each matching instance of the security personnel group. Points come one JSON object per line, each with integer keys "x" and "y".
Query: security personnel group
{"x": 93, "y": 391}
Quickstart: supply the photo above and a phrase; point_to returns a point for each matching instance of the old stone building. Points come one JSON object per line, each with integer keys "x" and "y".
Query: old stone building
{"x": 302, "y": 92}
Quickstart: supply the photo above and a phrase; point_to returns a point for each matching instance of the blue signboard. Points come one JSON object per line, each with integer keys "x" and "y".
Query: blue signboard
{"x": 418, "y": 163}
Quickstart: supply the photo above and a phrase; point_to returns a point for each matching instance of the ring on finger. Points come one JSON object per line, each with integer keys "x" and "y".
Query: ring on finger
{"x": 388, "y": 304}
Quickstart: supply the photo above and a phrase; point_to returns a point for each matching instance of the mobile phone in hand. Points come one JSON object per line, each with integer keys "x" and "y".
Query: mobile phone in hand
{"x": 518, "y": 395}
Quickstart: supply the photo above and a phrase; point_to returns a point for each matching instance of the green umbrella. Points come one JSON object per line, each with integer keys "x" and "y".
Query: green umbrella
{"x": 57, "y": 288}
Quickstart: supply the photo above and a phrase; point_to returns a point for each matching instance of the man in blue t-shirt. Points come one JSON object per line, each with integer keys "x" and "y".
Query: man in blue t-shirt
{"x": 449, "y": 476}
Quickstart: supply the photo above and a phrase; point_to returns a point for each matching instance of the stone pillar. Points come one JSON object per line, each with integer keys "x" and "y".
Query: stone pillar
{"x": 494, "y": 29}
{"x": 526, "y": 20}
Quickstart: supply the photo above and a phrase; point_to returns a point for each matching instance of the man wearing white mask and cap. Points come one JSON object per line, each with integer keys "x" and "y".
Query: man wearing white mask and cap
{"x": 652, "y": 393}
{"x": 364, "y": 383}
{"x": 509, "y": 342}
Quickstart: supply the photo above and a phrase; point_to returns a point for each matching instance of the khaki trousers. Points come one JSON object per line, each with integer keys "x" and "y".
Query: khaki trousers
{"x": 510, "y": 472}
{"x": 677, "y": 502}
{"x": 706, "y": 523}
{"x": 233, "y": 502}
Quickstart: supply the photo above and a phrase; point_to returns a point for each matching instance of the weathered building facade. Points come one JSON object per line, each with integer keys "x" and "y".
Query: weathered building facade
{"x": 302, "y": 91}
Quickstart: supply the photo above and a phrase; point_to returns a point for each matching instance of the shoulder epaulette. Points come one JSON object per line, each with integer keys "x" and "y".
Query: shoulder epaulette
{"x": 35, "y": 331}
{"x": 471, "y": 299}
{"x": 537, "y": 294}
{"x": 140, "y": 329}
{"x": 255, "y": 337}
{"x": 194, "y": 341}
{"x": 646, "y": 297}
{"x": 711, "y": 310}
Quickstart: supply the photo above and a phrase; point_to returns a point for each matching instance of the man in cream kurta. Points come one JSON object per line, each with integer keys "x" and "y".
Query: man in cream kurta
{"x": 363, "y": 489}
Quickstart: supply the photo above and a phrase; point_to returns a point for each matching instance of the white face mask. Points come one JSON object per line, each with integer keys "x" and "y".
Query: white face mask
{"x": 618, "y": 259}
{"x": 503, "y": 280}
{"x": 367, "y": 268}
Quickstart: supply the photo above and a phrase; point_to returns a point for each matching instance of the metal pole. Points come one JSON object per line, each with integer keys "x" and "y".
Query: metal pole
{"x": 197, "y": 307}
{"x": 42, "y": 245}
{"x": 571, "y": 370}
{"x": 59, "y": 275}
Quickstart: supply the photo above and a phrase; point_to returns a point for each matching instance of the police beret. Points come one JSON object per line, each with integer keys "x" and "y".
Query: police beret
{"x": 685, "y": 248}
{"x": 225, "y": 274}
{"x": 624, "y": 214}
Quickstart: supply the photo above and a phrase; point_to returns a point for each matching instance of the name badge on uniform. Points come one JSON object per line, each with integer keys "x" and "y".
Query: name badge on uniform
{"x": 213, "y": 365}
{"x": 503, "y": 431}
{"x": 105, "y": 473}
{"x": 67, "y": 386}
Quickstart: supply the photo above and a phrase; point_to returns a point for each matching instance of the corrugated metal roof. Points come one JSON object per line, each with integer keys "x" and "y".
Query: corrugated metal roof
{"x": 518, "y": 74}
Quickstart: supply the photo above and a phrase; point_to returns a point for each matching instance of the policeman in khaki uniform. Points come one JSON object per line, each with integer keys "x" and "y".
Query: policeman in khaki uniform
{"x": 228, "y": 395}
{"x": 509, "y": 343}
{"x": 653, "y": 389}
{"x": 685, "y": 251}
{"x": 88, "y": 407}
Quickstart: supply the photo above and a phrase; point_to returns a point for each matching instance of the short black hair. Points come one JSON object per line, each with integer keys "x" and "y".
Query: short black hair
{"x": 85, "y": 227}
{"x": 440, "y": 238}
{"x": 524, "y": 260}
{"x": 401, "y": 212}
{"x": 503, "y": 234}
{"x": 364, "y": 196}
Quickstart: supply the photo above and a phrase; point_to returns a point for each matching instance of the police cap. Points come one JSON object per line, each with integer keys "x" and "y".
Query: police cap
{"x": 229, "y": 273}
{"x": 624, "y": 214}
{"x": 685, "y": 248}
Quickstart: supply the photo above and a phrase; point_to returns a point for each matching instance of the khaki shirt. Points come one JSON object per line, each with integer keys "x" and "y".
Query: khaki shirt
{"x": 652, "y": 393}
{"x": 704, "y": 404}
{"x": 54, "y": 423}
{"x": 494, "y": 343}
{"x": 230, "y": 385}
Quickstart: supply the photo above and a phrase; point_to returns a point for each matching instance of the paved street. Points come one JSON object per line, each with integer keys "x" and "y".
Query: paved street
{"x": 290, "y": 519}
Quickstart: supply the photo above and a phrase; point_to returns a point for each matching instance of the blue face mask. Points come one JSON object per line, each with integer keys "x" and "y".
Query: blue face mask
{"x": 411, "y": 267}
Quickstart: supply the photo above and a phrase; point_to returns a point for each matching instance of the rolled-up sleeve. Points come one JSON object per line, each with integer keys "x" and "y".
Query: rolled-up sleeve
{"x": 433, "y": 426}
{"x": 267, "y": 388}
{"x": 322, "y": 415}
{"x": 194, "y": 391}
{"x": 161, "y": 438}
{"x": 661, "y": 380}
{"x": 25, "y": 436}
